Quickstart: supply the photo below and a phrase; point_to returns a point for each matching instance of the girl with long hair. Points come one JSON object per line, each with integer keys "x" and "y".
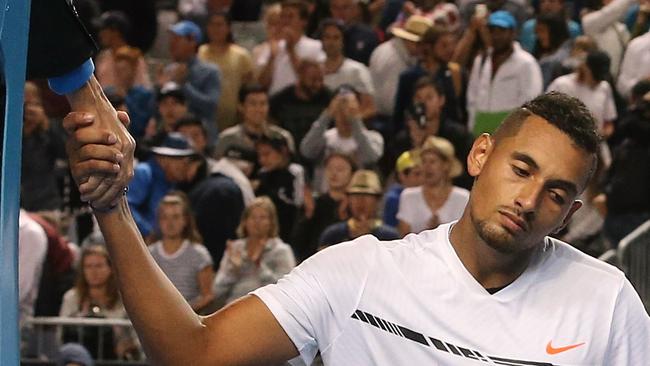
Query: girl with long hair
{"x": 180, "y": 254}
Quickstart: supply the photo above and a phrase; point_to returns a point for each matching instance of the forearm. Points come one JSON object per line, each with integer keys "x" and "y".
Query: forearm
{"x": 597, "y": 21}
{"x": 151, "y": 300}
{"x": 463, "y": 50}
{"x": 266, "y": 75}
{"x": 370, "y": 151}
{"x": 313, "y": 144}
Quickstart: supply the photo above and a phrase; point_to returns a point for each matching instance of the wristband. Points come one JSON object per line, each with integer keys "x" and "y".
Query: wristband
{"x": 110, "y": 208}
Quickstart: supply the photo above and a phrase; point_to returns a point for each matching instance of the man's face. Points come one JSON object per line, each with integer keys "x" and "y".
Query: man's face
{"x": 311, "y": 79}
{"x": 443, "y": 49}
{"x": 181, "y": 48}
{"x": 551, "y": 6}
{"x": 108, "y": 36}
{"x": 175, "y": 168}
{"x": 291, "y": 20}
{"x": 432, "y": 101}
{"x": 332, "y": 40}
{"x": 501, "y": 38}
{"x": 412, "y": 48}
{"x": 343, "y": 10}
{"x": 217, "y": 28}
{"x": 196, "y": 135}
{"x": 338, "y": 173}
{"x": 363, "y": 206}
{"x": 268, "y": 157}
{"x": 255, "y": 108}
{"x": 171, "y": 110}
{"x": 171, "y": 221}
{"x": 526, "y": 185}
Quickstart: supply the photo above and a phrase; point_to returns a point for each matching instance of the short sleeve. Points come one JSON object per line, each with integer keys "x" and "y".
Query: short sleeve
{"x": 203, "y": 257}
{"x": 609, "y": 113}
{"x": 314, "y": 300}
{"x": 404, "y": 211}
{"x": 629, "y": 340}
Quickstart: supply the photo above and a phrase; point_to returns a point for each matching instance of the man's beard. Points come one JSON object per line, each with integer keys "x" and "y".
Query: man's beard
{"x": 495, "y": 237}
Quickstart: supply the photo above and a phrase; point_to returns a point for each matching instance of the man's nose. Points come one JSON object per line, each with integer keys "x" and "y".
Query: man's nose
{"x": 529, "y": 196}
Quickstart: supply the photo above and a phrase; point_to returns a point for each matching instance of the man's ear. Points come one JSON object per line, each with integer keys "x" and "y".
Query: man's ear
{"x": 574, "y": 207}
{"x": 481, "y": 149}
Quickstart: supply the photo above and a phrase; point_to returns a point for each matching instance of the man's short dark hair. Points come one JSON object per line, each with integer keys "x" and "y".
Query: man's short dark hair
{"x": 566, "y": 113}
{"x": 190, "y": 120}
{"x": 331, "y": 22}
{"x": 248, "y": 89}
{"x": 303, "y": 9}
{"x": 115, "y": 20}
{"x": 428, "y": 81}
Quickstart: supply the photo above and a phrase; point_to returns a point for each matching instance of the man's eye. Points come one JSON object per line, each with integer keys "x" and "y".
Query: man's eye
{"x": 519, "y": 171}
{"x": 557, "y": 197}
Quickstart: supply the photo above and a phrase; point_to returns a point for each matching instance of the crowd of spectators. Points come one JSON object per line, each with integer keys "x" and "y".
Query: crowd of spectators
{"x": 269, "y": 130}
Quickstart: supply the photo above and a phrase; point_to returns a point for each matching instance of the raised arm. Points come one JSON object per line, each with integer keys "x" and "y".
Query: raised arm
{"x": 245, "y": 333}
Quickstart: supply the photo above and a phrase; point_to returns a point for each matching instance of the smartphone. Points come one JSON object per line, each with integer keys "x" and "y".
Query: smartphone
{"x": 481, "y": 10}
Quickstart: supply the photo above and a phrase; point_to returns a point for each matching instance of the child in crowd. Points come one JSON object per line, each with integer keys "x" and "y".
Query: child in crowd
{"x": 180, "y": 253}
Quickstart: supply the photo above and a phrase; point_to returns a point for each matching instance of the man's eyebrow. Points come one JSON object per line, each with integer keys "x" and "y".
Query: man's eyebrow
{"x": 525, "y": 158}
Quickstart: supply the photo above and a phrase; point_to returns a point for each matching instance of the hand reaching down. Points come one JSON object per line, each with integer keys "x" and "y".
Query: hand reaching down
{"x": 101, "y": 156}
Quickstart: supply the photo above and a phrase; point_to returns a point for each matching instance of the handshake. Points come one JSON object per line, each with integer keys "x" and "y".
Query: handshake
{"x": 100, "y": 149}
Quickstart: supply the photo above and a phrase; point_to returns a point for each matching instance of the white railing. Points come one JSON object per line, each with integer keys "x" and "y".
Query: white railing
{"x": 46, "y": 334}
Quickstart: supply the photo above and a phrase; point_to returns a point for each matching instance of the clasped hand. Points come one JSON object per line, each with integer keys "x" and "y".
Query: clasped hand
{"x": 100, "y": 150}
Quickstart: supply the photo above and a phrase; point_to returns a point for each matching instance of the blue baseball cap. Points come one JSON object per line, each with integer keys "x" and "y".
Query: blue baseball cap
{"x": 502, "y": 19}
{"x": 187, "y": 28}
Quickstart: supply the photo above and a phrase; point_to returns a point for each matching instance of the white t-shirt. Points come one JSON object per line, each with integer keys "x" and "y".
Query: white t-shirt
{"x": 283, "y": 72}
{"x": 413, "y": 208}
{"x": 412, "y": 302}
{"x": 599, "y": 100}
{"x": 352, "y": 73}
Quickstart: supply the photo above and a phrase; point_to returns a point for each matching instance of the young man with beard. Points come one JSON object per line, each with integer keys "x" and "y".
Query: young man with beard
{"x": 297, "y": 106}
{"x": 491, "y": 288}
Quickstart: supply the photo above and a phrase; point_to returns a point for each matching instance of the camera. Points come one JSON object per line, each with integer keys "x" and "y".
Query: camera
{"x": 418, "y": 113}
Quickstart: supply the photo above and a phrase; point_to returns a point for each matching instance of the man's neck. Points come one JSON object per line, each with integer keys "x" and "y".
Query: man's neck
{"x": 117, "y": 44}
{"x": 255, "y": 128}
{"x": 337, "y": 194}
{"x": 499, "y": 57}
{"x": 431, "y": 65}
{"x": 333, "y": 63}
{"x": 301, "y": 92}
{"x": 489, "y": 267}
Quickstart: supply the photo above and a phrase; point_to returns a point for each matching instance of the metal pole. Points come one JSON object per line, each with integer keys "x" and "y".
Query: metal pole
{"x": 14, "y": 30}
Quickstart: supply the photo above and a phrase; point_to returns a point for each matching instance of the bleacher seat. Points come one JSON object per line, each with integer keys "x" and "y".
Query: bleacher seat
{"x": 634, "y": 254}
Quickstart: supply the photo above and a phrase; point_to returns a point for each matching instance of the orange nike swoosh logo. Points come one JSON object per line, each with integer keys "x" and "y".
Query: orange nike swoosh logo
{"x": 553, "y": 350}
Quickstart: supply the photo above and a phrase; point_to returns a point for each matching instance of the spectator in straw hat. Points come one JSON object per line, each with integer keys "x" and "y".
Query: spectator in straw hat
{"x": 437, "y": 201}
{"x": 364, "y": 194}
{"x": 393, "y": 57}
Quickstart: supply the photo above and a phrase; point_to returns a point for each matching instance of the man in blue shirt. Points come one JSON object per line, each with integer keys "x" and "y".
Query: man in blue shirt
{"x": 201, "y": 82}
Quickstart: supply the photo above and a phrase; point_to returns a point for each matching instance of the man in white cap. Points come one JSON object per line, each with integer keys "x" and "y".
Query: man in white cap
{"x": 392, "y": 58}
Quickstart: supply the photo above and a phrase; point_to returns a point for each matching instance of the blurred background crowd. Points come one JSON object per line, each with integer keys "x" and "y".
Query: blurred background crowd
{"x": 269, "y": 130}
